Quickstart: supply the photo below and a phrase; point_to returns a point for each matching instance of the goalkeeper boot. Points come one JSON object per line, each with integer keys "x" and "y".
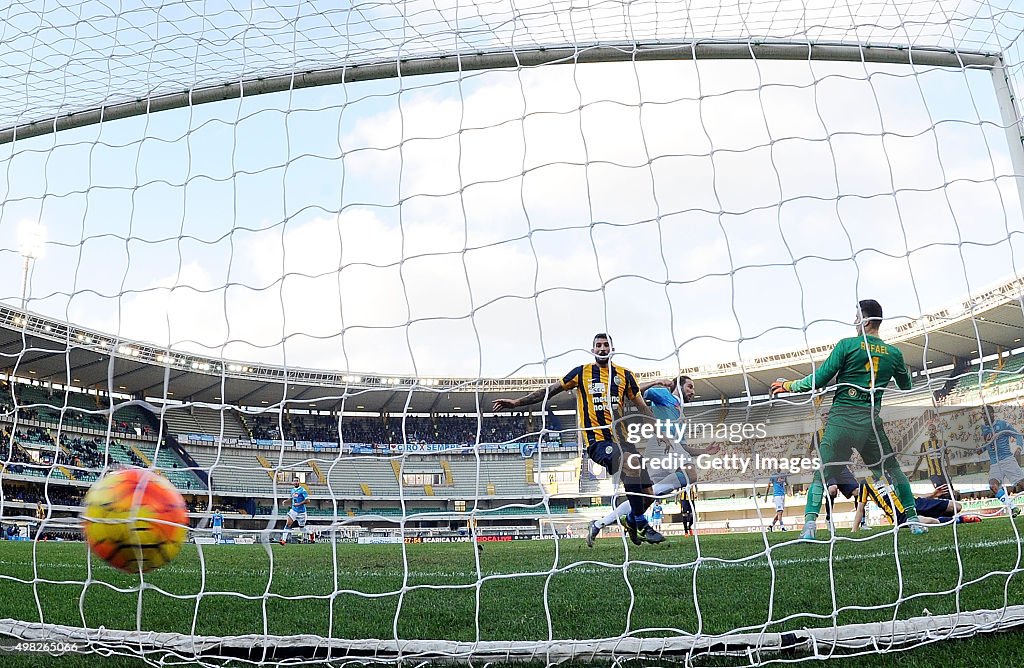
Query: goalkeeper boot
{"x": 809, "y": 530}
{"x": 916, "y": 526}
{"x": 592, "y": 534}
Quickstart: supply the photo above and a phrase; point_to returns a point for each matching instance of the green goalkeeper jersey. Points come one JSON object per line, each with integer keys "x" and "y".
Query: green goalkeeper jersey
{"x": 853, "y": 362}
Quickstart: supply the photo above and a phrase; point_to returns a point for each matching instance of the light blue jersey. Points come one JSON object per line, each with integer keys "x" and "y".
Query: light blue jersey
{"x": 668, "y": 408}
{"x": 656, "y": 512}
{"x": 664, "y": 404}
{"x": 299, "y": 496}
{"x": 218, "y": 520}
{"x": 778, "y": 485}
{"x": 999, "y": 447}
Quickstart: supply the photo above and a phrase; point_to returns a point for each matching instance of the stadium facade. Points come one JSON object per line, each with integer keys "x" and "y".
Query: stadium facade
{"x": 424, "y": 457}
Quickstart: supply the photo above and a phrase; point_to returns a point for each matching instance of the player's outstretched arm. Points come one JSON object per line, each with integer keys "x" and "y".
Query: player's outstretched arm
{"x": 821, "y": 376}
{"x": 528, "y": 399}
{"x": 661, "y": 382}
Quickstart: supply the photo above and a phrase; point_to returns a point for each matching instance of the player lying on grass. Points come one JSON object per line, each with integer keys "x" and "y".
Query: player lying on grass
{"x": 862, "y": 366}
{"x": 936, "y": 508}
{"x": 665, "y": 405}
{"x": 602, "y": 390}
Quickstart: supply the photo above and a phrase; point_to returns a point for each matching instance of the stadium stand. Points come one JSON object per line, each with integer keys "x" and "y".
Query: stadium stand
{"x": 201, "y": 420}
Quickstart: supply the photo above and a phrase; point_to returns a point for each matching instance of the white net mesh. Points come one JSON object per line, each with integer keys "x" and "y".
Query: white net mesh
{"x": 248, "y": 243}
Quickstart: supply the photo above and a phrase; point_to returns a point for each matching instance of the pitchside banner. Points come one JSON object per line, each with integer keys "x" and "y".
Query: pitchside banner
{"x": 526, "y": 448}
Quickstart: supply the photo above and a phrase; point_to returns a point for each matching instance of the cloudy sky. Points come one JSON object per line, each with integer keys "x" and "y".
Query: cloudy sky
{"x": 490, "y": 224}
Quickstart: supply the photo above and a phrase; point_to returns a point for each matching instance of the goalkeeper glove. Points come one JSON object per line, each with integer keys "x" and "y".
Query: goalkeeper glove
{"x": 780, "y": 386}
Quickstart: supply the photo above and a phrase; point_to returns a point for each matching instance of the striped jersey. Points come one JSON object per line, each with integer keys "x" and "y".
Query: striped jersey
{"x": 883, "y": 496}
{"x": 816, "y": 441}
{"x": 934, "y": 452}
{"x": 999, "y": 445}
{"x": 601, "y": 394}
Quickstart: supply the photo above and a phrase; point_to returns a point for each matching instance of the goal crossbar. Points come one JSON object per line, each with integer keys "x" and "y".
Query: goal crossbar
{"x": 505, "y": 59}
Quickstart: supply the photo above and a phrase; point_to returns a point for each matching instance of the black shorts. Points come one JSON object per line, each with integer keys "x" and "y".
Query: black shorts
{"x": 845, "y": 481}
{"x": 609, "y": 454}
{"x": 685, "y": 507}
{"x": 606, "y": 454}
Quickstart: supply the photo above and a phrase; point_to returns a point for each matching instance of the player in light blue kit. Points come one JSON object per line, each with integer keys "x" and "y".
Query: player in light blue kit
{"x": 218, "y": 525}
{"x": 666, "y": 407}
{"x": 1003, "y": 467}
{"x": 777, "y": 487}
{"x": 657, "y": 512}
{"x": 297, "y": 514}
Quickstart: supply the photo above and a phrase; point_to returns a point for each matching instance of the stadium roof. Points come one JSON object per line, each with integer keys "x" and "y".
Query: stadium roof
{"x": 50, "y": 351}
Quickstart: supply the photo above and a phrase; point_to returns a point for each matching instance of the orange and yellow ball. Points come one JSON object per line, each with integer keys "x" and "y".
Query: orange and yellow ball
{"x": 134, "y": 520}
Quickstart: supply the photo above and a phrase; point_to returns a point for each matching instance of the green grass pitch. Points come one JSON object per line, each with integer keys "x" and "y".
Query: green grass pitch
{"x": 358, "y": 591}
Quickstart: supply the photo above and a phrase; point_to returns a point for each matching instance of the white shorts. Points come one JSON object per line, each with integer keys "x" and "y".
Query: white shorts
{"x": 297, "y": 517}
{"x": 780, "y": 503}
{"x": 1007, "y": 471}
{"x": 216, "y": 531}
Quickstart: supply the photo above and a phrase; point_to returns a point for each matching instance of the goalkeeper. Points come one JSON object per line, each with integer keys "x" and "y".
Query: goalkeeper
{"x": 862, "y": 366}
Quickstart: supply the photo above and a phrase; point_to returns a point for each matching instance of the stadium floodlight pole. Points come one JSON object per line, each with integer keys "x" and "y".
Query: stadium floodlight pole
{"x": 1009, "y": 111}
{"x": 31, "y": 240}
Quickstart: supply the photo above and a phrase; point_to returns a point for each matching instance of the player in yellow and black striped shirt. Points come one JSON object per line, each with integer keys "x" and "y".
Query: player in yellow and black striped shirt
{"x": 934, "y": 452}
{"x": 687, "y": 508}
{"x": 602, "y": 390}
{"x": 936, "y": 508}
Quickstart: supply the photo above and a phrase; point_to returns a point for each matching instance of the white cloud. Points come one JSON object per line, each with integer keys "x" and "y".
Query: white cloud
{"x": 489, "y": 233}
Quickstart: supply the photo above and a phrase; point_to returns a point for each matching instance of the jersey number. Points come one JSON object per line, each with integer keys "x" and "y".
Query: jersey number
{"x": 872, "y": 366}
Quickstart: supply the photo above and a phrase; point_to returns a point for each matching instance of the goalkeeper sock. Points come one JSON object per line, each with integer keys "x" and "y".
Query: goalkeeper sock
{"x": 814, "y": 495}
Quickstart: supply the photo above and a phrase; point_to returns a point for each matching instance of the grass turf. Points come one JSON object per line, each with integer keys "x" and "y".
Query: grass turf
{"x": 361, "y": 591}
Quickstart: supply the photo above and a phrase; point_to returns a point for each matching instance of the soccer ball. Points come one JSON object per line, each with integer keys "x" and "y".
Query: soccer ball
{"x": 134, "y": 520}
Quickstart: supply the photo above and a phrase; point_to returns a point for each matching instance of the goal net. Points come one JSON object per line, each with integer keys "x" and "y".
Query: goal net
{"x": 367, "y": 247}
